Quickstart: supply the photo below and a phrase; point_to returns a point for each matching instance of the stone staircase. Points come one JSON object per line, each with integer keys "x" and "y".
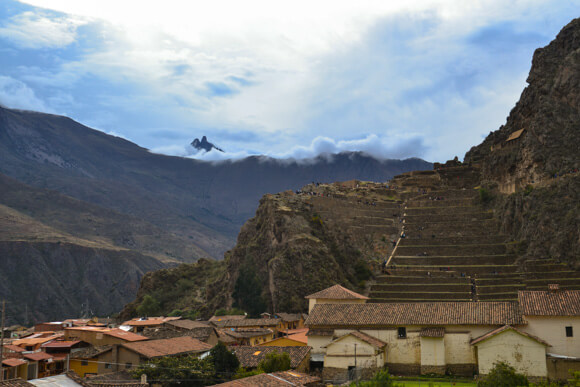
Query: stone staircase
{"x": 453, "y": 250}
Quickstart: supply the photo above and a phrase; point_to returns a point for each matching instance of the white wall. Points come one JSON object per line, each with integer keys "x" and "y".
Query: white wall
{"x": 553, "y": 330}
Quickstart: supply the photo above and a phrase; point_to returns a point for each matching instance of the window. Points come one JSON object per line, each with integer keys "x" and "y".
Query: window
{"x": 108, "y": 366}
{"x": 402, "y": 333}
{"x": 569, "y": 332}
{"x": 84, "y": 363}
{"x": 128, "y": 365}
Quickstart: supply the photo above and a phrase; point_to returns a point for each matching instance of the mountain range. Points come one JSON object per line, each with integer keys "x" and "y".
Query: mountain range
{"x": 65, "y": 186}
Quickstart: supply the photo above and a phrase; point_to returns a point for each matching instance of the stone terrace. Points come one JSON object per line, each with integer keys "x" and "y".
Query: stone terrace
{"x": 453, "y": 250}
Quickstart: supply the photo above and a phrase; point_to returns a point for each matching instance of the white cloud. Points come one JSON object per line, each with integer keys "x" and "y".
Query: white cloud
{"x": 32, "y": 30}
{"x": 17, "y": 95}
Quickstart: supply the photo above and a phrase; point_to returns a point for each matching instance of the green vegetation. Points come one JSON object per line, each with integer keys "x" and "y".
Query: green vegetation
{"x": 503, "y": 375}
{"x": 247, "y": 293}
{"x": 177, "y": 371}
{"x": 485, "y": 196}
{"x": 225, "y": 362}
{"x": 149, "y": 306}
{"x": 380, "y": 379}
{"x": 229, "y": 312}
{"x": 274, "y": 362}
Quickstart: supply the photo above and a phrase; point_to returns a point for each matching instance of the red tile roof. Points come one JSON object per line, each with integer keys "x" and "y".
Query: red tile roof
{"x": 228, "y": 317}
{"x": 168, "y": 347}
{"x": 37, "y": 356}
{"x": 364, "y": 337}
{"x": 60, "y": 344}
{"x": 337, "y": 292}
{"x": 424, "y": 313}
{"x": 13, "y": 362}
{"x": 250, "y": 357}
{"x": 248, "y": 322}
{"x": 432, "y": 332}
{"x": 550, "y": 303}
{"x": 276, "y": 379}
{"x": 503, "y": 329}
{"x": 14, "y": 348}
{"x": 127, "y": 336}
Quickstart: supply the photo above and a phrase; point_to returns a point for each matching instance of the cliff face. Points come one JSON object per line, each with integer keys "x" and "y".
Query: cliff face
{"x": 549, "y": 114}
{"x": 538, "y": 171}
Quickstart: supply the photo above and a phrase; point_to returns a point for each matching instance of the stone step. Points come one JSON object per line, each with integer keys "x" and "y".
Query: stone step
{"x": 421, "y": 287}
{"x": 452, "y": 250}
{"x": 424, "y": 279}
{"x": 498, "y": 297}
{"x": 458, "y": 269}
{"x": 434, "y": 211}
{"x": 420, "y": 203}
{"x": 471, "y": 240}
{"x": 500, "y": 288}
{"x": 428, "y": 297}
{"x": 450, "y": 217}
{"x": 461, "y": 260}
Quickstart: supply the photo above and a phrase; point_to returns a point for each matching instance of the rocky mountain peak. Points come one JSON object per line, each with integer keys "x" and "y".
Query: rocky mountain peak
{"x": 204, "y": 145}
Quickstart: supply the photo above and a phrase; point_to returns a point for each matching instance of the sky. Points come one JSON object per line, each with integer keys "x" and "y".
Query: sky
{"x": 287, "y": 79}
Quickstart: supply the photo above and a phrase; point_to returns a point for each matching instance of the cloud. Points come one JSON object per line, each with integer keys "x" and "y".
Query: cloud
{"x": 36, "y": 31}
{"x": 17, "y": 95}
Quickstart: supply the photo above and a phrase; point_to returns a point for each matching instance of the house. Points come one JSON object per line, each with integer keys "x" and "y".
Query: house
{"x": 137, "y": 325}
{"x": 291, "y": 321}
{"x": 14, "y": 368}
{"x": 553, "y": 315}
{"x": 295, "y": 338}
{"x": 275, "y": 379}
{"x": 255, "y": 323}
{"x": 94, "y": 360}
{"x": 35, "y": 341}
{"x": 368, "y": 353}
{"x": 526, "y": 353}
{"x": 39, "y": 365}
{"x": 250, "y": 357}
{"x": 420, "y": 337}
{"x": 131, "y": 355}
{"x": 200, "y": 330}
{"x": 335, "y": 295}
{"x": 101, "y": 336}
{"x": 249, "y": 336}
{"x": 536, "y": 335}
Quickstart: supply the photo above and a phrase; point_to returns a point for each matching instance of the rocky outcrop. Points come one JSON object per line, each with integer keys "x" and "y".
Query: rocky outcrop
{"x": 204, "y": 145}
{"x": 540, "y": 138}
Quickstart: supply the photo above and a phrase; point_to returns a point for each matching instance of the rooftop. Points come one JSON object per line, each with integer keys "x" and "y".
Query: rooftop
{"x": 167, "y": 347}
{"x": 250, "y": 357}
{"x": 248, "y": 322}
{"x": 503, "y": 329}
{"x": 337, "y": 292}
{"x": 424, "y": 313}
{"x": 550, "y": 303}
{"x": 276, "y": 379}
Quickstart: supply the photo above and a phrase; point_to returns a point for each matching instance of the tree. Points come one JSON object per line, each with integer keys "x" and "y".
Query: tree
{"x": 225, "y": 362}
{"x": 275, "y": 362}
{"x": 380, "y": 379}
{"x": 149, "y": 306}
{"x": 184, "y": 371}
{"x": 503, "y": 375}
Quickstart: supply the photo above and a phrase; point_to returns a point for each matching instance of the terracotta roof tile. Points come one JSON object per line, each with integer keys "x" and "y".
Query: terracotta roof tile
{"x": 289, "y": 317}
{"x": 368, "y": 339}
{"x": 229, "y": 317}
{"x": 127, "y": 336}
{"x": 60, "y": 344}
{"x": 503, "y": 329}
{"x": 13, "y": 348}
{"x": 320, "y": 332}
{"x": 338, "y": 292}
{"x": 432, "y": 332}
{"x": 13, "y": 362}
{"x": 425, "y": 313}
{"x": 276, "y": 379}
{"x": 167, "y": 347}
{"x": 188, "y": 324}
{"x": 248, "y": 322}
{"x": 90, "y": 352}
{"x": 550, "y": 303}
{"x": 250, "y": 357}
{"x": 15, "y": 383}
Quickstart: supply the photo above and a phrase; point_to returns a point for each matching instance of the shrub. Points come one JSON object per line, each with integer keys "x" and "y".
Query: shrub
{"x": 225, "y": 362}
{"x": 380, "y": 379}
{"x": 503, "y": 375}
{"x": 275, "y": 362}
{"x": 484, "y": 195}
{"x": 149, "y": 306}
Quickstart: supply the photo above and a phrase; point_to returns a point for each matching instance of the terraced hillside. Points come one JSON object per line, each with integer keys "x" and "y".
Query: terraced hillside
{"x": 453, "y": 249}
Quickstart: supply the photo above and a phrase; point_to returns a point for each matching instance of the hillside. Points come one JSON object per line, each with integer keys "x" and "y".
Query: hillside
{"x": 73, "y": 197}
{"x": 505, "y": 220}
